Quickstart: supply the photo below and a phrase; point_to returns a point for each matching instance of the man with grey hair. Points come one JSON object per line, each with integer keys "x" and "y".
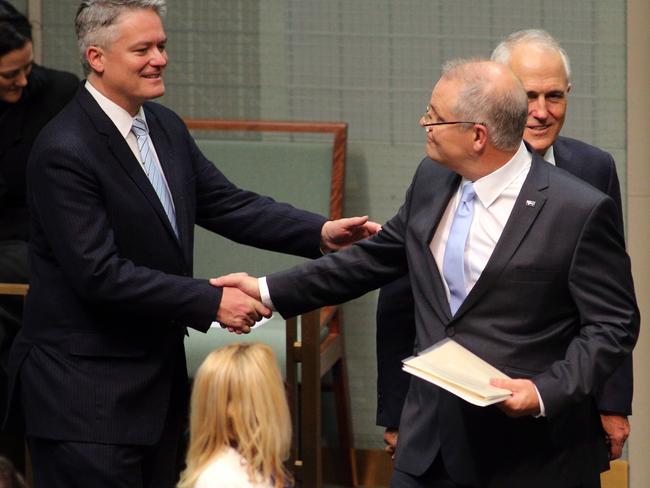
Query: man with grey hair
{"x": 518, "y": 261}
{"x": 116, "y": 187}
{"x": 544, "y": 69}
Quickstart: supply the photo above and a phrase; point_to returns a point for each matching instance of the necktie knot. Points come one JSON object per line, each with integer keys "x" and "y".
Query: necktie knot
{"x": 466, "y": 199}
{"x": 139, "y": 127}
{"x": 468, "y": 192}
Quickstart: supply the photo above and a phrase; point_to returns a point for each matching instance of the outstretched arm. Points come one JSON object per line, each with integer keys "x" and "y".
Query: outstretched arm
{"x": 338, "y": 234}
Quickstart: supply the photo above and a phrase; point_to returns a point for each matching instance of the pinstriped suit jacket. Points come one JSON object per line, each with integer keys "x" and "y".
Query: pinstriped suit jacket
{"x": 111, "y": 291}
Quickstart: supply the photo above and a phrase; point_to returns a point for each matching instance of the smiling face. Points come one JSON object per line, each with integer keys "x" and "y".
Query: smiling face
{"x": 15, "y": 67}
{"x": 544, "y": 78}
{"x": 129, "y": 71}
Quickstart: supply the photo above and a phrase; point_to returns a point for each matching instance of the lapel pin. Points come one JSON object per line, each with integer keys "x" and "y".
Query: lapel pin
{"x": 530, "y": 203}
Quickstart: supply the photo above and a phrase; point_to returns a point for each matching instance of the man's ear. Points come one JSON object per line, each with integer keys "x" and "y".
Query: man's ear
{"x": 95, "y": 57}
{"x": 568, "y": 88}
{"x": 480, "y": 137}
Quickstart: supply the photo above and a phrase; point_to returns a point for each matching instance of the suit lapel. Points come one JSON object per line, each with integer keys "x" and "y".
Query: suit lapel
{"x": 564, "y": 158}
{"x": 442, "y": 191}
{"x": 120, "y": 149}
{"x": 529, "y": 203}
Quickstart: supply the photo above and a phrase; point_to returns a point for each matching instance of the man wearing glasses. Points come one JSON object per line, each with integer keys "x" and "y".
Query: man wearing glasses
{"x": 544, "y": 69}
{"x": 516, "y": 260}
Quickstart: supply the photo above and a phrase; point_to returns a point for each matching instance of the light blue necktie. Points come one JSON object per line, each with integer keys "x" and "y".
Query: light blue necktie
{"x": 453, "y": 264}
{"x": 154, "y": 173}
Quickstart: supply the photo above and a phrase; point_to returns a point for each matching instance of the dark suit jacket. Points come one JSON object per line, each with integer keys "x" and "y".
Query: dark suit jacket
{"x": 555, "y": 304}
{"x": 395, "y": 308}
{"x": 47, "y": 92}
{"x": 111, "y": 290}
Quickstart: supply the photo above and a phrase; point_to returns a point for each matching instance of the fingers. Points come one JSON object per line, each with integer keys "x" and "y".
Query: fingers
{"x": 351, "y": 222}
{"x": 524, "y": 399}
{"x": 238, "y": 311}
{"x": 615, "y": 449}
{"x": 232, "y": 279}
{"x": 617, "y": 430}
{"x": 504, "y": 383}
{"x": 372, "y": 228}
{"x": 337, "y": 234}
{"x": 242, "y": 281}
{"x": 390, "y": 438}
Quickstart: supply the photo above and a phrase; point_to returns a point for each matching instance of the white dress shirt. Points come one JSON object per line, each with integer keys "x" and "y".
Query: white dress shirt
{"x": 549, "y": 156}
{"x": 495, "y": 196}
{"x": 123, "y": 121}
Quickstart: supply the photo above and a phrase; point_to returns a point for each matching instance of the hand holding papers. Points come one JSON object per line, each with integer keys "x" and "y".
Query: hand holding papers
{"x": 459, "y": 371}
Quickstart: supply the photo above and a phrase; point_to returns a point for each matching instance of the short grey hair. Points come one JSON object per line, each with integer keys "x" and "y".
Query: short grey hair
{"x": 503, "y": 111}
{"x": 96, "y": 19}
{"x": 540, "y": 37}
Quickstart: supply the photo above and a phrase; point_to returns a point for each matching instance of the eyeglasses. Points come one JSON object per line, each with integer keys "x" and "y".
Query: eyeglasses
{"x": 428, "y": 119}
{"x": 430, "y": 124}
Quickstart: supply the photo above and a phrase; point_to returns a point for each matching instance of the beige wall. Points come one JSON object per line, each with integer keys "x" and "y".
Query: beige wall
{"x": 638, "y": 178}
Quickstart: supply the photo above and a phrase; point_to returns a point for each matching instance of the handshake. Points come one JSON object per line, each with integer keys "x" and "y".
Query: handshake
{"x": 241, "y": 304}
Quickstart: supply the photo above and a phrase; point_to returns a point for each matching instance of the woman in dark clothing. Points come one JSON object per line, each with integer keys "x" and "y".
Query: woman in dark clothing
{"x": 30, "y": 96}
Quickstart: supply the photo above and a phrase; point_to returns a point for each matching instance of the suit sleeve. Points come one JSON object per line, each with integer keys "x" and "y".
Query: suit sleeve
{"x": 348, "y": 274}
{"x": 600, "y": 283}
{"x": 615, "y": 396}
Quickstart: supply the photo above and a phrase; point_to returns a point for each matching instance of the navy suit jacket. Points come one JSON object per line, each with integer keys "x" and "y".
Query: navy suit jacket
{"x": 111, "y": 291}
{"x": 555, "y": 303}
{"x": 395, "y": 308}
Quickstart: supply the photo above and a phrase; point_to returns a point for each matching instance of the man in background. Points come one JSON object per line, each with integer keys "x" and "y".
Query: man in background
{"x": 544, "y": 69}
{"x": 116, "y": 186}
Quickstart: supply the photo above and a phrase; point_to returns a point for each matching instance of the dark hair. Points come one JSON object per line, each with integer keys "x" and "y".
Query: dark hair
{"x": 15, "y": 29}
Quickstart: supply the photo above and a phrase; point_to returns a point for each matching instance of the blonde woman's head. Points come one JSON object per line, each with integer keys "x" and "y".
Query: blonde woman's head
{"x": 239, "y": 401}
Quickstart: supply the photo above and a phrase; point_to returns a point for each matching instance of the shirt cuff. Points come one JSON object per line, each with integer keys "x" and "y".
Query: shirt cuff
{"x": 542, "y": 410}
{"x": 265, "y": 295}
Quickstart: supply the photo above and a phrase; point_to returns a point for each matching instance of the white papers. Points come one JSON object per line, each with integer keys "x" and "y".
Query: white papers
{"x": 459, "y": 371}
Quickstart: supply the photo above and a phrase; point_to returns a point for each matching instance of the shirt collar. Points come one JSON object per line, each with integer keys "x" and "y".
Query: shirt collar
{"x": 120, "y": 117}
{"x": 549, "y": 156}
{"x": 490, "y": 187}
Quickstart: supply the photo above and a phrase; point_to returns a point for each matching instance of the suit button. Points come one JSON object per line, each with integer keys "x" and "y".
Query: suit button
{"x": 451, "y": 331}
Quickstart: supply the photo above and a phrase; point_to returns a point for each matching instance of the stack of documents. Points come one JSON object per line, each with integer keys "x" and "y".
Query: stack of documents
{"x": 459, "y": 371}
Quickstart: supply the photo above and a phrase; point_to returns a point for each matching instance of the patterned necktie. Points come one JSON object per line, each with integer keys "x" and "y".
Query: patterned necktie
{"x": 154, "y": 173}
{"x": 453, "y": 264}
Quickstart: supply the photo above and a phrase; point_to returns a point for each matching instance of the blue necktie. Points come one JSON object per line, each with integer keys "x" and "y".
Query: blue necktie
{"x": 154, "y": 173}
{"x": 453, "y": 264}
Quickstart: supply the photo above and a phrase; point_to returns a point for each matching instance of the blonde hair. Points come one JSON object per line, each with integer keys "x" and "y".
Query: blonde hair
{"x": 239, "y": 401}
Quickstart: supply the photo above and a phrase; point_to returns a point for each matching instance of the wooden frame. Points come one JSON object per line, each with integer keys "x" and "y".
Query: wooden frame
{"x": 14, "y": 289}
{"x": 320, "y": 347}
{"x": 20, "y": 290}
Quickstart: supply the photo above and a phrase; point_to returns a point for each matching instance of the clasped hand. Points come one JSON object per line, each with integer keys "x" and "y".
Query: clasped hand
{"x": 240, "y": 304}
